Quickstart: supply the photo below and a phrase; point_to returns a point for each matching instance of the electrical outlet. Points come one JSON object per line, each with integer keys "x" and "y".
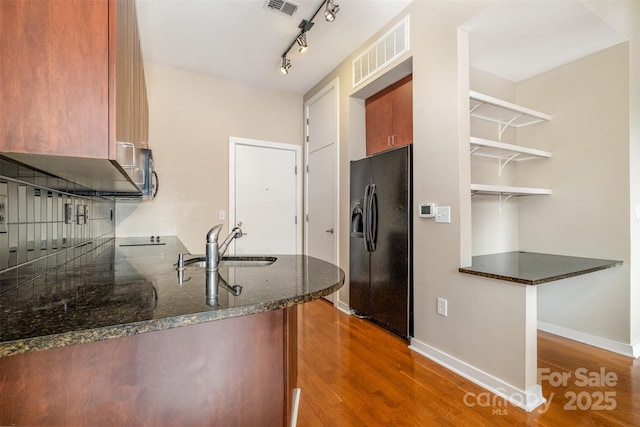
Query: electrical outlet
{"x": 67, "y": 213}
{"x": 3, "y": 213}
{"x": 222, "y": 215}
{"x": 442, "y": 307}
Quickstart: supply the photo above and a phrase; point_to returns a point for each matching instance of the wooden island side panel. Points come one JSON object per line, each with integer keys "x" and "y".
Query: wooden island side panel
{"x": 232, "y": 372}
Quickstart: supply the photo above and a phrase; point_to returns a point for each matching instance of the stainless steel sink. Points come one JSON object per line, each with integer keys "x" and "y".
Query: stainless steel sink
{"x": 247, "y": 261}
{"x": 234, "y": 261}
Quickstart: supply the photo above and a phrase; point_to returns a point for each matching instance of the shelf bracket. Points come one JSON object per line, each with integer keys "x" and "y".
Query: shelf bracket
{"x": 508, "y": 197}
{"x": 502, "y": 162}
{"x": 505, "y": 200}
{"x": 503, "y": 126}
{"x": 474, "y": 149}
{"x": 476, "y": 107}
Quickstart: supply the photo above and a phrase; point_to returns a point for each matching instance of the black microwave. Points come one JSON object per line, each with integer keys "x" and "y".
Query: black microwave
{"x": 149, "y": 185}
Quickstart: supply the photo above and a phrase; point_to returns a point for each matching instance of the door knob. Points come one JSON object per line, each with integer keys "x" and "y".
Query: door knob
{"x": 329, "y": 231}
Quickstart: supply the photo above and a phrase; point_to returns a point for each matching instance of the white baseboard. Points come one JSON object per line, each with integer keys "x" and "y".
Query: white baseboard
{"x": 344, "y": 307}
{"x": 294, "y": 407}
{"x": 629, "y": 350}
{"x": 527, "y": 400}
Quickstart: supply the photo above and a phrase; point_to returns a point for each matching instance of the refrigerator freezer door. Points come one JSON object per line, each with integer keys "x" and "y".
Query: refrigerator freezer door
{"x": 359, "y": 291}
{"x": 372, "y": 218}
{"x": 390, "y": 273}
{"x": 367, "y": 218}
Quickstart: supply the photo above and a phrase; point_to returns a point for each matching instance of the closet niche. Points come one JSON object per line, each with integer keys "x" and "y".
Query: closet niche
{"x": 496, "y": 186}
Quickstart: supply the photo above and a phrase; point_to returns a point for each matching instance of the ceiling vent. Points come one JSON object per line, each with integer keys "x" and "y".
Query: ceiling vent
{"x": 281, "y": 6}
{"x": 381, "y": 53}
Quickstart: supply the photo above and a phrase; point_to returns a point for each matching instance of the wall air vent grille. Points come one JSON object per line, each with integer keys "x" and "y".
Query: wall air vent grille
{"x": 281, "y": 6}
{"x": 384, "y": 51}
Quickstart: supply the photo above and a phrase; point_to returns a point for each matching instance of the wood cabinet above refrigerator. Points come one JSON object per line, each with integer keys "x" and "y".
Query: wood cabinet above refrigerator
{"x": 73, "y": 88}
{"x": 389, "y": 117}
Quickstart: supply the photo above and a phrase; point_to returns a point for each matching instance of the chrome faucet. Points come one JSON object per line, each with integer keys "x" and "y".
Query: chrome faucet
{"x": 213, "y": 280}
{"x": 214, "y": 252}
{"x": 236, "y": 233}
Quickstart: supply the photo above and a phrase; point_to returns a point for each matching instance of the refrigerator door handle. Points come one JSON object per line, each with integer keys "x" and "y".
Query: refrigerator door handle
{"x": 373, "y": 234}
{"x": 365, "y": 219}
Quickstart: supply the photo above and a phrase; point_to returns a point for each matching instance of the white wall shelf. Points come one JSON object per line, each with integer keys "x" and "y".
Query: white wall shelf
{"x": 503, "y": 113}
{"x": 496, "y": 110}
{"x": 506, "y": 192}
{"x": 504, "y": 152}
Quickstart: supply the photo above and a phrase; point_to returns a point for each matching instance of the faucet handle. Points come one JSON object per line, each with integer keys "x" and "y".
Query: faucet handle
{"x": 239, "y": 233}
{"x": 180, "y": 263}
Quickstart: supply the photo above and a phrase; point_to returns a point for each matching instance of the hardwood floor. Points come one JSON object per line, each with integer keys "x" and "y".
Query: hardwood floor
{"x": 353, "y": 373}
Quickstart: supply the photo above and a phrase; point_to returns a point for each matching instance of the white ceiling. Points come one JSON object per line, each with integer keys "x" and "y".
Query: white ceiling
{"x": 517, "y": 40}
{"x": 240, "y": 40}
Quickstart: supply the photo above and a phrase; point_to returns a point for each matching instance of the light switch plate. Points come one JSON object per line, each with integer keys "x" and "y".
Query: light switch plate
{"x": 443, "y": 214}
{"x": 442, "y": 307}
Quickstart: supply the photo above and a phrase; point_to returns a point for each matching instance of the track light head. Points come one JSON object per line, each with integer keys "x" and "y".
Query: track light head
{"x": 331, "y": 11}
{"x": 302, "y": 42}
{"x": 286, "y": 64}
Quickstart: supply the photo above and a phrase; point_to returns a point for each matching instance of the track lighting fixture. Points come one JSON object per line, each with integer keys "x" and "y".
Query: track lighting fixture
{"x": 331, "y": 10}
{"x": 286, "y": 64}
{"x": 304, "y": 26}
{"x": 302, "y": 42}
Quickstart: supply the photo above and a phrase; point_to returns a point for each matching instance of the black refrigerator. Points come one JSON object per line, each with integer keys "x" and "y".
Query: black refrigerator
{"x": 380, "y": 247}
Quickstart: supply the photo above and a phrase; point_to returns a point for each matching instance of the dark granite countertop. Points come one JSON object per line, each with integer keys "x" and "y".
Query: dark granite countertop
{"x": 530, "y": 268}
{"x": 126, "y": 290}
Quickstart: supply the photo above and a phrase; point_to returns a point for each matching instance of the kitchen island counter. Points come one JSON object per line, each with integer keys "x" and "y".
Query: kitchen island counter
{"x": 118, "y": 337}
{"x": 130, "y": 286}
{"x": 531, "y": 268}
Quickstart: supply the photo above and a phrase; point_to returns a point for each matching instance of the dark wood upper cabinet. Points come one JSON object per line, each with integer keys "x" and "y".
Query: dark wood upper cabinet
{"x": 132, "y": 114}
{"x": 54, "y": 66}
{"x": 73, "y": 86}
{"x": 389, "y": 117}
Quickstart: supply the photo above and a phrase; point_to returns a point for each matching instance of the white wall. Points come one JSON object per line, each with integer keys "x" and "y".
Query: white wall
{"x": 587, "y": 214}
{"x": 589, "y": 174}
{"x": 487, "y": 322}
{"x": 625, "y": 18}
{"x": 191, "y": 119}
{"x": 631, "y": 24}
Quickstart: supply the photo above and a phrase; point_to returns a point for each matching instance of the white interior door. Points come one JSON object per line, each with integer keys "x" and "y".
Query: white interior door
{"x": 264, "y": 196}
{"x": 322, "y": 192}
{"x": 321, "y": 204}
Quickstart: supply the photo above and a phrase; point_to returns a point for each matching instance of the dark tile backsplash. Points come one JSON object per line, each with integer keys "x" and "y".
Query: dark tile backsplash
{"x": 46, "y": 222}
